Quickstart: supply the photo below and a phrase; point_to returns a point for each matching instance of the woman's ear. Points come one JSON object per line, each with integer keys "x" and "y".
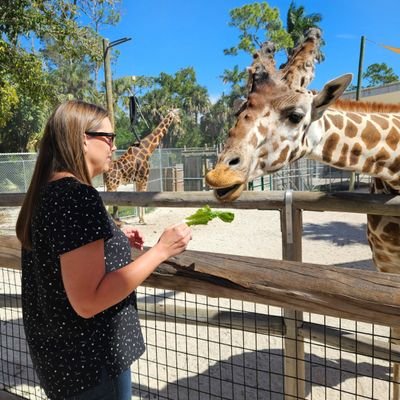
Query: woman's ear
{"x": 85, "y": 144}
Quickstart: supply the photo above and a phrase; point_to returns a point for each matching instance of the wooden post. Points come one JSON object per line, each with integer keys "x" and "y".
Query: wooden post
{"x": 294, "y": 368}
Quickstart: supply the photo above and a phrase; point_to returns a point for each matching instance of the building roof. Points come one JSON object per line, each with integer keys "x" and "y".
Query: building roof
{"x": 389, "y": 93}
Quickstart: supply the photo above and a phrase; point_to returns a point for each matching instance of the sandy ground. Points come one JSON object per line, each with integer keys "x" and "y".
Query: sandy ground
{"x": 213, "y": 362}
{"x": 328, "y": 237}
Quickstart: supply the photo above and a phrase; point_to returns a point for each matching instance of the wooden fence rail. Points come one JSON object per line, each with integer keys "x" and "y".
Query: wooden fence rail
{"x": 310, "y": 201}
{"x": 367, "y": 296}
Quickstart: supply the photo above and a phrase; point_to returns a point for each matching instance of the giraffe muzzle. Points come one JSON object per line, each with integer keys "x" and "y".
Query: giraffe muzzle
{"x": 230, "y": 193}
{"x": 227, "y": 183}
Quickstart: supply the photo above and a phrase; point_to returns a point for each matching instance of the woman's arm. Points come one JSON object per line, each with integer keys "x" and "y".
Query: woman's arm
{"x": 90, "y": 290}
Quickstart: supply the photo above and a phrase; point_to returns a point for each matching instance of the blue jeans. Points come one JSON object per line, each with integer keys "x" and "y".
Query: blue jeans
{"x": 118, "y": 388}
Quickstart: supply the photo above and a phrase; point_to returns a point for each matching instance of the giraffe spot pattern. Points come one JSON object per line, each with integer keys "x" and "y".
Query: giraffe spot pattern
{"x": 370, "y": 136}
{"x": 342, "y": 162}
{"x": 368, "y": 165}
{"x": 337, "y": 121}
{"x": 373, "y": 221}
{"x": 355, "y": 154}
{"x": 350, "y": 130}
{"x": 262, "y": 129}
{"x": 395, "y": 166}
{"x": 282, "y": 157}
{"x": 330, "y": 146}
{"x": 396, "y": 122}
{"x": 355, "y": 117}
{"x": 393, "y": 138}
{"x": 253, "y": 141}
{"x": 381, "y": 122}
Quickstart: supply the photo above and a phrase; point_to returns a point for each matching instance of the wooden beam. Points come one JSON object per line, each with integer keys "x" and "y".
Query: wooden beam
{"x": 323, "y": 289}
{"x": 269, "y": 200}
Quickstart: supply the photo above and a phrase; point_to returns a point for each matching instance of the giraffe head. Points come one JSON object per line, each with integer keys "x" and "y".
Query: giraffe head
{"x": 272, "y": 125}
{"x": 174, "y": 114}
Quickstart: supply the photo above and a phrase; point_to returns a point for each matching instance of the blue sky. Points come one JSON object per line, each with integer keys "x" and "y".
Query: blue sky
{"x": 168, "y": 35}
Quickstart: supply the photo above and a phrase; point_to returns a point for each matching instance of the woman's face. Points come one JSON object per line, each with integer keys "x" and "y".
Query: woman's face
{"x": 99, "y": 147}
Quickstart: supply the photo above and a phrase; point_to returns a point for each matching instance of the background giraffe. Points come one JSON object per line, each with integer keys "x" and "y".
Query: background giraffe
{"x": 282, "y": 121}
{"x": 134, "y": 164}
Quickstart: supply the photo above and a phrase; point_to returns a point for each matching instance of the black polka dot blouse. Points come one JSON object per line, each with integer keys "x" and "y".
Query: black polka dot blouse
{"x": 68, "y": 351}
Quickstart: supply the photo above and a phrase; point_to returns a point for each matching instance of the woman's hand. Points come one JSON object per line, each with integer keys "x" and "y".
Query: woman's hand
{"x": 174, "y": 239}
{"x": 135, "y": 238}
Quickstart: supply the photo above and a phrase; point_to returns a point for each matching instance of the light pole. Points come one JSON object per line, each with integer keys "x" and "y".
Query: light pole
{"x": 358, "y": 91}
{"x": 107, "y": 73}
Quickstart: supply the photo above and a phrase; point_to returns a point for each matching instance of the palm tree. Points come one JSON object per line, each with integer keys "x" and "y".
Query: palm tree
{"x": 297, "y": 23}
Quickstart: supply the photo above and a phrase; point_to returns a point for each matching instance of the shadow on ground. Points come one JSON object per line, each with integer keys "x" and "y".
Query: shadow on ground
{"x": 338, "y": 233}
{"x": 237, "y": 378}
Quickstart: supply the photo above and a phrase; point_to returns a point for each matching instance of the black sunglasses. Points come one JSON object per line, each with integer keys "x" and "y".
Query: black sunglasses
{"x": 106, "y": 134}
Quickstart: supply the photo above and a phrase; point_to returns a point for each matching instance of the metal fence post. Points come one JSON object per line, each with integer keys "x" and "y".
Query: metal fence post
{"x": 161, "y": 170}
{"x": 294, "y": 367}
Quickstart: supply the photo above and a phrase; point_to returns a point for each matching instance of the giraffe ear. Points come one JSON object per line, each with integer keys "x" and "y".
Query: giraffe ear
{"x": 329, "y": 94}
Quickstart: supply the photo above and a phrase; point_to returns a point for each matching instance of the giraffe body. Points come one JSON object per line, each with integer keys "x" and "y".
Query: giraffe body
{"x": 282, "y": 121}
{"x": 134, "y": 164}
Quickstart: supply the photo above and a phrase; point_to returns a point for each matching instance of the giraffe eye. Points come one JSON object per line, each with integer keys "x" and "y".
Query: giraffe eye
{"x": 295, "y": 117}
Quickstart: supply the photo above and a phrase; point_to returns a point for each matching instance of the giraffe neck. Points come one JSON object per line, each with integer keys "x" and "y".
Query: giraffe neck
{"x": 360, "y": 142}
{"x": 153, "y": 139}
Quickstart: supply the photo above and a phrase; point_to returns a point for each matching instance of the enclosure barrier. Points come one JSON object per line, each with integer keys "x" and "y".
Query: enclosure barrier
{"x": 360, "y": 295}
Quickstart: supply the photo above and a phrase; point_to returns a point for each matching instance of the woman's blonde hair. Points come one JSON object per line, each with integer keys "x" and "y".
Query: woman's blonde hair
{"x": 61, "y": 150}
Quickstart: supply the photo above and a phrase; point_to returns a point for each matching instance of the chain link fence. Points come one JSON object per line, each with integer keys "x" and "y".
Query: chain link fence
{"x": 184, "y": 170}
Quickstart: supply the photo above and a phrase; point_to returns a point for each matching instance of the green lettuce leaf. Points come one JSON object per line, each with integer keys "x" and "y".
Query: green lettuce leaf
{"x": 205, "y": 214}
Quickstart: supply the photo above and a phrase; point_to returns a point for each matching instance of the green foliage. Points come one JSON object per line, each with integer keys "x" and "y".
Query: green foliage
{"x": 205, "y": 214}
{"x": 26, "y": 121}
{"x": 216, "y": 123}
{"x": 166, "y": 92}
{"x": 67, "y": 54}
{"x": 379, "y": 74}
{"x": 16, "y": 72}
{"x": 257, "y": 23}
{"x": 125, "y": 136}
{"x": 297, "y": 23}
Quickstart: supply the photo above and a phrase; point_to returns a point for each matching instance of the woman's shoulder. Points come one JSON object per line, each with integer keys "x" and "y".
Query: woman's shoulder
{"x": 70, "y": 188}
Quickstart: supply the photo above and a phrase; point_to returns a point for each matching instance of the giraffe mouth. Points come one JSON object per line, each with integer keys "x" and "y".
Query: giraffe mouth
{"x": 226, "y": 183}
{"x": 229, "y": 193}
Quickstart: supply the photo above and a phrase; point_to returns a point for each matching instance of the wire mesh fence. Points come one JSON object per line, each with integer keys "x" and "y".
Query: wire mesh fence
{"x": 211, "y": 348}
{"x": 184, "y": 170}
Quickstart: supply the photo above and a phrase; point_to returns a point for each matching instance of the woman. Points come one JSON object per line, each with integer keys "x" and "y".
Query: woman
{"x": 78, "y": 280}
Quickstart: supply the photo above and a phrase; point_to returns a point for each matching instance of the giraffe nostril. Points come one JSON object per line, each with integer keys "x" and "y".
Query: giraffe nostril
{"x": 234, "y": 161}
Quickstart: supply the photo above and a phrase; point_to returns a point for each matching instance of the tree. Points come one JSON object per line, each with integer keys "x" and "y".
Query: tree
{"x": 47, "y": 40}
{"x": 297, "y": 23}
{"x": 236, "y": 78}
{"x": 258, "y": 22}
{"x": 167, "y": 92}
{"x": 217, "y": 121}
{"x": 26, "y": 121}
{"x": 379, "y": 74}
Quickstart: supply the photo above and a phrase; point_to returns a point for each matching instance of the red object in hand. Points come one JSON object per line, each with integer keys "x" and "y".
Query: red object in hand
{"x": 134, "y": 237}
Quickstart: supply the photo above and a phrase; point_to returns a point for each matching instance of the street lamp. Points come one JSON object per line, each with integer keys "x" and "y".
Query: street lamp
{"x": 107, "y": 73}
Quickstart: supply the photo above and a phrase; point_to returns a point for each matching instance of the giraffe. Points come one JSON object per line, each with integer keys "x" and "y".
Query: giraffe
{"x": 282, "y": 121}
{"x": 134, "y": 164}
